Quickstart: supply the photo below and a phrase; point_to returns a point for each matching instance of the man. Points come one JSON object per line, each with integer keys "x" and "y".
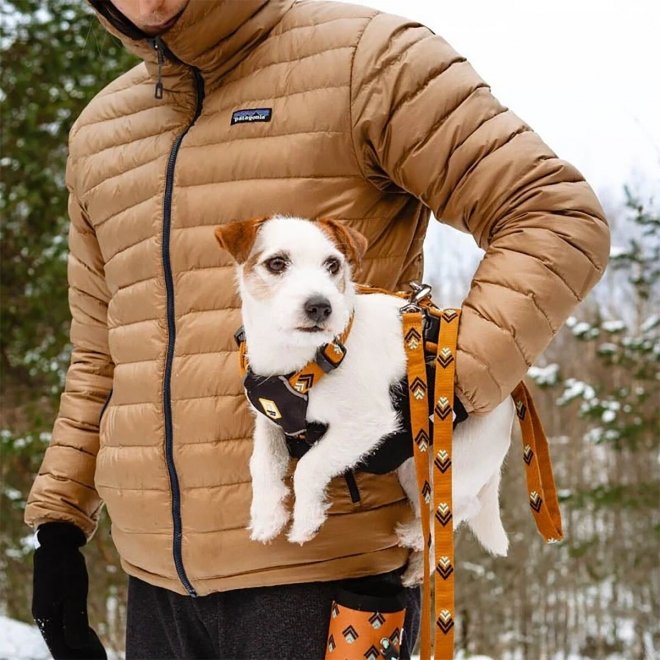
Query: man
{"x": 244, "y": 109}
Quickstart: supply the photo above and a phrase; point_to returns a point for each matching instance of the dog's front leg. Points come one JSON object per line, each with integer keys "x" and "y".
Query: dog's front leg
{"x": 340, "y": 449}
{"x": 268, "y": 467}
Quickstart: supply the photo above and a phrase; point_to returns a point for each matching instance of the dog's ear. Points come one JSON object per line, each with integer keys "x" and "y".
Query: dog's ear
{"x": 350, "y": 241}
{"x": 238, "y": 237}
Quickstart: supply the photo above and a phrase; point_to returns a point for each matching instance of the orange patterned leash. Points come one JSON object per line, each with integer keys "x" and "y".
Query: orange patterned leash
{"x": 419, "y": 418}
{"x": 434, "y": 477}
{"x": 443, "y": 419}
{"x": 436, "y": 486}
{"x": 538, "y": 467}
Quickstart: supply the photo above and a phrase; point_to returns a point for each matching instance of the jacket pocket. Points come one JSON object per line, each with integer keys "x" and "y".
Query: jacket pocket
{"x": 353, "y": 489}
{"x": 105, "y": 406}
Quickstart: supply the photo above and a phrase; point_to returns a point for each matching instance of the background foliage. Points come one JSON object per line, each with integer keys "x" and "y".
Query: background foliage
{"x": 55, "y": 58}
{"x": 595, "y": 595}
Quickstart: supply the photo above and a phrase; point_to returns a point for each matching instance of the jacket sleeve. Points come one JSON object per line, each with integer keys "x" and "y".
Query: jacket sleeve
{"x": 64, "y": 488}
{"x": 424, "y": 122}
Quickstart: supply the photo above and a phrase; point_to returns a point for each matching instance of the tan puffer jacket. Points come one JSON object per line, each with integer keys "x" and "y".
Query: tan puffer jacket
{"x": 374, "y": 120}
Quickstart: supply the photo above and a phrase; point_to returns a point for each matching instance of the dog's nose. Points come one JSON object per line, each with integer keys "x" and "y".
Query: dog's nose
{"x": 318, "y": 308}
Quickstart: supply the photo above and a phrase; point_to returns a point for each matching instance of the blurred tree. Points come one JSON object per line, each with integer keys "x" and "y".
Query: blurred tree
{"x": 592, "y": 594}
{"x": 607, "y": 372}
{"x": 55, "y": 57}
{"x": 621, "y": 409}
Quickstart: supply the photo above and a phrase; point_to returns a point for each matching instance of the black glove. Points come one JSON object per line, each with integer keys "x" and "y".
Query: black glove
{"x": 59, "y": 596}
{"x": 459, "y": 409}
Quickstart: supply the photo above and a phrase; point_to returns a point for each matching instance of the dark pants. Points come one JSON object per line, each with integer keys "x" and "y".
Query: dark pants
{"x": 288, "y": 621}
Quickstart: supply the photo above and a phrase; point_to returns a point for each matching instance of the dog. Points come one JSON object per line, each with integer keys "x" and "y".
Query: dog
{"x": 295, "y": 279}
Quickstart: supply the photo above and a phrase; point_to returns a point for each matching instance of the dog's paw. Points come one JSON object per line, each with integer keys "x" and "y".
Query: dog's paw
{"x": 410, "y": 534}
{"x": 265, "y": 525}
{"x": 306, "y": 524}
{"x": 302, "y": 533}
{"x": 414, "y": 573}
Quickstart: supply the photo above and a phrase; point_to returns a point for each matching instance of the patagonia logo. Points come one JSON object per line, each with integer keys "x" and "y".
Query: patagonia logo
{"x": 251, "y": 115}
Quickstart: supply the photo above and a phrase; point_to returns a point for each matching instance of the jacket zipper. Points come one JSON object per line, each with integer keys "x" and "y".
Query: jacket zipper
{"x": 162, "y": 51}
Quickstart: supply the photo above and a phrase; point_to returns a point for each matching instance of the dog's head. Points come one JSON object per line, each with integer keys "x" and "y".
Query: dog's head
{"x": 294, "y": 274}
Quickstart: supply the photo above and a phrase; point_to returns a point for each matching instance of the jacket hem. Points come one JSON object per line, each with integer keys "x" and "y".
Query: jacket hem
{"x": 371, "y": 563}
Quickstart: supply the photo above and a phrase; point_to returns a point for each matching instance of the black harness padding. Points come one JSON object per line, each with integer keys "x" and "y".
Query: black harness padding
{"x": 274, "y": 397}
{"x": 394, "y": 448}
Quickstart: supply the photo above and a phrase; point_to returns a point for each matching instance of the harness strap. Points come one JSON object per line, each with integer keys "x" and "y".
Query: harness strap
{"x": 434, "y": 477}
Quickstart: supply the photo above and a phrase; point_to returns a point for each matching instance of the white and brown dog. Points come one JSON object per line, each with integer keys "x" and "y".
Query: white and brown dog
{"x": 295, "y": 281}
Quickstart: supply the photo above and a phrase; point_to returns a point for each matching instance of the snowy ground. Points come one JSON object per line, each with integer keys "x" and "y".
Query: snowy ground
{"x": 19, "y": 641}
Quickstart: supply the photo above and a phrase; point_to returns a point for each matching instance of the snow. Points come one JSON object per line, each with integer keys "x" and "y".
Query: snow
{"x": 547, "y": 375}
{"x": 617, "y": 251}
{"x": 613, "y": 326}
{"x": 20, "y": 641}
{"x": 650, "y": 322}
{"x": 608, "y": 348}
{"x": 576, "y": 388}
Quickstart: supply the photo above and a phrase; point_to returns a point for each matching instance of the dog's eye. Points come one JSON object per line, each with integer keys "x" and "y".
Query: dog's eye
{"x": 333, "y": 265}
{"x": 276, "y": 264}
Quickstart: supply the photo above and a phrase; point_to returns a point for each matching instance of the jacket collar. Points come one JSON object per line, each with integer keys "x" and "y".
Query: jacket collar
{"x": 212, "y": 36}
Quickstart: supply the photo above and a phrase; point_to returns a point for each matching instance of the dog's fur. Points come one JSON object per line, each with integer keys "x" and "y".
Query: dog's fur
{"x": 353, "y": 400}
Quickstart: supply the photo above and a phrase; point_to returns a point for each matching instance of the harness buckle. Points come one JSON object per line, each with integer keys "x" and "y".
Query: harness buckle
{"x": 324, "y": 361}
{"x": 239, "y": 336}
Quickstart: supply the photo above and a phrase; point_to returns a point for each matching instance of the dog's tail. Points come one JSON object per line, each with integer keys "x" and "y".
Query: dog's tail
{"x": 486, "y": 525}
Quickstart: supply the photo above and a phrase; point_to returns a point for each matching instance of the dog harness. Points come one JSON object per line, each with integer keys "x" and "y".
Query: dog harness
{"x": 430, "y": 339}
{"x": 284, "y": 400}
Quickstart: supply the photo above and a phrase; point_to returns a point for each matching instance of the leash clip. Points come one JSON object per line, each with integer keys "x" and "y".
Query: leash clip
{"x": 420, "y": 293}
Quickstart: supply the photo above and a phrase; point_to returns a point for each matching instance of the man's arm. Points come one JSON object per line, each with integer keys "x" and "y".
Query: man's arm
{"x": 423, "y": 119}
{"x": 64, "y": 489}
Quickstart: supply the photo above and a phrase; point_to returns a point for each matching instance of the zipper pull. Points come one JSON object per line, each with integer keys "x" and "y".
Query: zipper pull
{"x": 158, "y": 47}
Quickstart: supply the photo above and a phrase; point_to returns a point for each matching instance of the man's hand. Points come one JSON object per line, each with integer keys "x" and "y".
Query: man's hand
{"x": 59, "y": 597}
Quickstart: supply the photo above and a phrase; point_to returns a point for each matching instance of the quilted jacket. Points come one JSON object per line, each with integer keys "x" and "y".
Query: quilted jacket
{"x": 363, "y": 116}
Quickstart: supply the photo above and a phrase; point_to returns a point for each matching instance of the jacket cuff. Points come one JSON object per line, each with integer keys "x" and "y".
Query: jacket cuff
{"x": 60, "y": 534}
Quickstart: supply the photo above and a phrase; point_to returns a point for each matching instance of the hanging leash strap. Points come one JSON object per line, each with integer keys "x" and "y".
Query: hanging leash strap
{"x": 433, "y": 462}
{"x": 434, "y": 476}
{"x": 538, "y": 467}
{"x": 419, "y": 418}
